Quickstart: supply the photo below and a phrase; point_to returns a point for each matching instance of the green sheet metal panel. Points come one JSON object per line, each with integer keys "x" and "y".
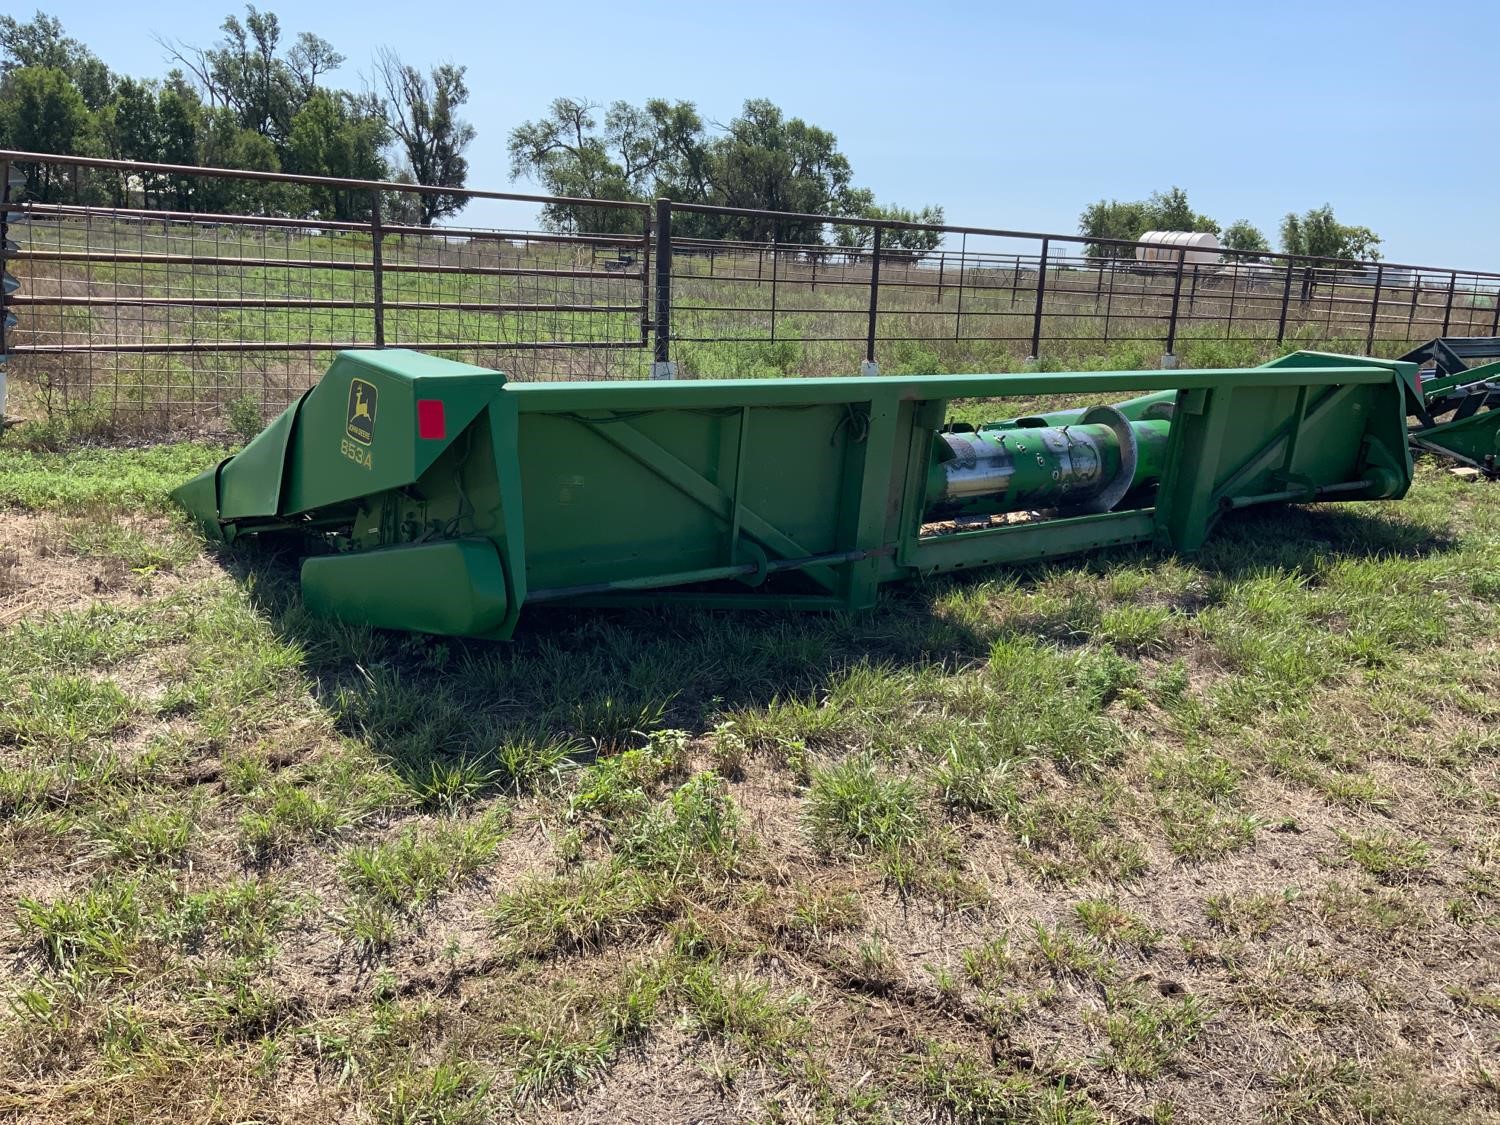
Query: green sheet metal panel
{"x": 609, "y": 496}
{"x": 1473, "y": 438}
{"x": 593, "y": 512}
{"x": 358, "y": 432}
{"x": 454, "y": 587}
{"x": 472, "y": 489}
{"x": 733, "y": 393}
{"x": 353, "y": 435}
{"x": 250, "y": 483}
{"x": 794, "y": 468}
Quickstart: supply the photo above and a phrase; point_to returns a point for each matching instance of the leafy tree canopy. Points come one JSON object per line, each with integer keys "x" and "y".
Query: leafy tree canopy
{"x": 762, "y": 160}
{"x": 1111, "y": 218}
{"x": 1317, "y": 234}
{"x": 258, "y": 99}
{"x": 1242, "y": 235}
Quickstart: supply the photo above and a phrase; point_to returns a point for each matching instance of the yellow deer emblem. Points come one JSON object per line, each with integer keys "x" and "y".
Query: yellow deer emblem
{"x": 360, "y": 424}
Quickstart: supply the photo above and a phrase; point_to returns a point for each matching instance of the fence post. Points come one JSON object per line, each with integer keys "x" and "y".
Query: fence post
{"x": 1286, "y": 300}
{"x": 775, "y": 257}
{"x": 869, "y": 366}
{"x": 1416, "y": 291}
{"x": 1041, "y": 294}
{"x": 1234, "y": 292}
{"x": 1169, "y": 359}
{"x": 1448, "y": 308}
{"x": 942, "y": 265}
{"x": 377, "y": 261}
{"x": 1109, "y": 301}
{"x": 1374, "y": 310}
{"x": 963, "y": 258}
{"x": 1495, "y": 320}
{"x": 645, "y": 261}
{"x": 662, "y": 366}
{"x": 5, "y": 279}
{"x": 4, "y": 230}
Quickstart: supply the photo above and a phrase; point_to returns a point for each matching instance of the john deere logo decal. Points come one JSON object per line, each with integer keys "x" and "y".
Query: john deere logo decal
{"x": 361, "y": 424}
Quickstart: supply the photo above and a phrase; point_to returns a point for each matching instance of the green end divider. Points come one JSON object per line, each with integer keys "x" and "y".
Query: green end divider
{"x": 435, "y": 496}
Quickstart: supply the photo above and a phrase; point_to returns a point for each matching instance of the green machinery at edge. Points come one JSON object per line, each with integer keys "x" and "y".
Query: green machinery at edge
{"x": 435, "y": 496}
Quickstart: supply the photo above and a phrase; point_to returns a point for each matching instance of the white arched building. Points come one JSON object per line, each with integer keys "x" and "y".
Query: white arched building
{"x": 1161, "y": 247}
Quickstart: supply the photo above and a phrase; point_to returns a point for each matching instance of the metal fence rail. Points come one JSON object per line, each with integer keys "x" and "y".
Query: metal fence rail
{"x": 986, "y": 296}
{"x": 176, "y": 319}
{"x": 158, "y": 320}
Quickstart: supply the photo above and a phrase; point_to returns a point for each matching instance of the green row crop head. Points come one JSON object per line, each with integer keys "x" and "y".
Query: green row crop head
{"x": 435, "y": 496}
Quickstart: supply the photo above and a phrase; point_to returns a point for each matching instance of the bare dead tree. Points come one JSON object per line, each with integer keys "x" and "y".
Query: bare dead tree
{"x": 419, "y": 110}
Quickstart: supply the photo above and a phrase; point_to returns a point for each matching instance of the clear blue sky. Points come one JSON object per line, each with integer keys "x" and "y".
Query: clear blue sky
{"x": 1009, "y": 115}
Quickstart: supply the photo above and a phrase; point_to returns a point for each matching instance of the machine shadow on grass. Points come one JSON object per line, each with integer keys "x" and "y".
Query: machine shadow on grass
{"x": 574, "y": 684}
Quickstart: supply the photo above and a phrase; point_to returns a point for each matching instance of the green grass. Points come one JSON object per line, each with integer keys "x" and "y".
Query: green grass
{"x": 1146, "y": 1034}
{"x": 852, "y": 803}
{"x": 76, "y": 479}
{"x": 1112, "y": 925}
{"x": 412, "y": 869}
{"x": 1067, "y": 843}
{"x": 1388, "y": 857}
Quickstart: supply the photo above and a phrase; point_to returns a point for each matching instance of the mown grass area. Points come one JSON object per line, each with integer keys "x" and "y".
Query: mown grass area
{"x": 1129, "y": 838}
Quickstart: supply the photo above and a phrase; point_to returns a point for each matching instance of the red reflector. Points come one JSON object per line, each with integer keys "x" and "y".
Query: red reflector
{"x": 430, "y": 420}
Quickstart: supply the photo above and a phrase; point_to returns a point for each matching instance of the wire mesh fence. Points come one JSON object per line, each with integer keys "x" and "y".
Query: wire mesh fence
{"x": 984, "y": 300}
{"x": 171, "y": 320}
{"x": 160, "y": 321}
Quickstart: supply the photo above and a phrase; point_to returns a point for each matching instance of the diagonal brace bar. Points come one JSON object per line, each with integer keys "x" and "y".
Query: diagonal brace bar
{"x": 681, "y": 476}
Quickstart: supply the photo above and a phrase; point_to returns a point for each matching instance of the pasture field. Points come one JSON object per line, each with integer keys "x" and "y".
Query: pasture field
{"x": 1124, "y": 839}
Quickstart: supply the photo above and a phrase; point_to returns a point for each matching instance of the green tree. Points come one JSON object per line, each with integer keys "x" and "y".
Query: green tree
{"x": 663, "y": 148}
{"x": 640, "y": 152}
{"x": 179, "y": 119}
{"x": 249, "y": 101}
{"x": 311, "y": 57}
{"x": 244, "y": 73}
{"x": 1242, "y": 235}
{"x": 1318, "y": 234}
{"x": 1171, "y": 211}
{"x": 1112, "y": 219}
{"x": 565, "y": 153}
{"x": 129, "y": 128}
{"x": 765, "y": 160}
{"x": 135, "y": 121}
{"x": 42, "y": 43}
{"x": 421, "y": 112}
{"x": 337, "y": 134}
{"x": 248, "y": 72}
{"x": 762, "y": 160}
{"x": 41, "y": 110}
{"x": 906, "y": 243}
{"x": 224, "y": 143}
